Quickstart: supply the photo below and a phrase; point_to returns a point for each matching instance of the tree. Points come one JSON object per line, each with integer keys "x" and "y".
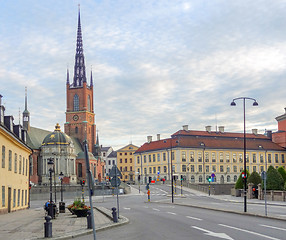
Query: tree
{"x": 282, "y": 171}
{"x": 274, "y": 179}
{"x": 254, "y": 178}
{"x": 239, "y": 183}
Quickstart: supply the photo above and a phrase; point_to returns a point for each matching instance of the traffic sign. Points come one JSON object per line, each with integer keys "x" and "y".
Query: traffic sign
{"x": 213, "y": 175}
{"x": 115, "y": 172}
{"x": 115, "y": 182}
{"x": 263, "y": 175}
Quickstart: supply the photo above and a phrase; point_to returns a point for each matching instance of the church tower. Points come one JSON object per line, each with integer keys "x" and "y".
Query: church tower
{"x": 80, "y": 117}
{"x": 26, "y": 114}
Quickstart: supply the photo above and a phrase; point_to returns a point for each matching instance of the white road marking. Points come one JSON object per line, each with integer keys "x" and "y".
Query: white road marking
{"x": 247, "y": 231}
{"x": 282, "y": 229}
{"x": 172, "y": 213}
{"x": 194, "y": 218}
{"x": 282, "y": 215}
{"x": 155, "y": 209}
{"x": 126, "y": 208}
{"x": 213, "y": 234}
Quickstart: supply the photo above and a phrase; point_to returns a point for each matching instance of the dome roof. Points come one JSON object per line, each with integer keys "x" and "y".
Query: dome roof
{"x": 57, "y": 138}
{"x": 82, "y": 156}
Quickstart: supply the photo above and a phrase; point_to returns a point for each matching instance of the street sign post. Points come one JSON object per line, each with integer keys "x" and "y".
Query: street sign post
{"x": 115, "y": 181}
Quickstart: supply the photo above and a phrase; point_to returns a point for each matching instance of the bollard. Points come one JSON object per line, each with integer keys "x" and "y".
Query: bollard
{"x": 62, "y": 207}
{"x": 48, "y": 227}
{"x": 88, "y": 218}
{"x": 114, "y": 215}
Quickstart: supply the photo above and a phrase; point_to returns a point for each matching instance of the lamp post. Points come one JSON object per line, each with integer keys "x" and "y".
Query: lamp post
{"x": 172, "y": 180}
{"x": 50, "y": 211}
{"x": 244, "y": 141}
{"x": 61, "y": 203}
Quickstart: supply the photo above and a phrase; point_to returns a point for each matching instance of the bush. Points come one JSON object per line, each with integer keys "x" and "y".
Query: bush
{"x": 282, "y": 171}
{"x": 254, "y": 178}
{"x": 274, "y": 179}
{"x": 239, "y": 183}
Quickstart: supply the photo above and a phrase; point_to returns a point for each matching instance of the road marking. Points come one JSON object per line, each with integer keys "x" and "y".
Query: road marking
{"x": 172, "y": 213}
{"x": 282, "y": 229}
{"x": 254, "y": 233}
{"x": 126, "y": 208}
{"x": 194, "y": 218}
{"x": 282, "y": 215}
{"x": 213, "y": 234}
{"x": 155, "y": 209}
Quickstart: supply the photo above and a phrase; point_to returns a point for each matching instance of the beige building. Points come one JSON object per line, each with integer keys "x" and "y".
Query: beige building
{"x": 125, "y": 162}
{"x": 14, "y": 170}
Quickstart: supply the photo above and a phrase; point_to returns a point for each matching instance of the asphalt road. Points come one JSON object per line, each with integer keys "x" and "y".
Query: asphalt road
{"x": 158, "y": 220}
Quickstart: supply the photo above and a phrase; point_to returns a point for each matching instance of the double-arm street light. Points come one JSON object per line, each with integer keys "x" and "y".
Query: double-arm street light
{"x": 244, "y": 140}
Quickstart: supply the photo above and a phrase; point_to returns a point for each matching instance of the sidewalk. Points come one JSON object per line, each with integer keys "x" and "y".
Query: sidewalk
{"x": 29, "y": 224}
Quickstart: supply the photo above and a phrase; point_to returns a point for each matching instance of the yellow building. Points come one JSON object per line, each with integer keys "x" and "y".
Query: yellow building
{"x": 14, "y": 170}
{"x": 125, "y": 162}
{"x": 198, "y": 154}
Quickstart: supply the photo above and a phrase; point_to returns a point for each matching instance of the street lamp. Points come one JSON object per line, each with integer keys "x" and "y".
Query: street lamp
{"x": 61, "y": 203}
{"x": 50, "y": 164}
{"x": 244, "y": 140}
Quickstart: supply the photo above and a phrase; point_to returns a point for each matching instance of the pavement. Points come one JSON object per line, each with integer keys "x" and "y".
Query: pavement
{"x": 29, "y": 224}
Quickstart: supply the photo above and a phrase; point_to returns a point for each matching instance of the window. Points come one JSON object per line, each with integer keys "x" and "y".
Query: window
{"x": 3, "y": 156}
{"x": 109, "y": 162}
{"x": 183, "y": 156}
{"x": 214, "y": 168}
{"x": 221, "y": 168}
{"x": 20, "y": 164}
{"x": 10, "y": 161}
{"x": 154, "y": 157}
{"x": 14, "y": 198}
{"x": 159, "y": 169}
{"x": 213, "y": 157}
{"x": 138, "y": 160}
{"x": 269, "y": 158}
{"x": 164, "y": 156}
{"x": 200, "y": 178}
{"x": 227, "y": 157}
{"x": 88, "y": 103}
{"x": 184, "y": 168}
{"x": 247, "y": 157}
{"x": 220, "y": 157}
{"x": 25, "y": 197}
{"x": 192, "y": 179}
{"x": 172, "y": 155}
{"x": 207, "y": 158}
{"x": 199, "y": 157}
{"x": 154, "y": 170}
{"x": 234, "y": 157}
{"x": 192, "y": 157}
{"x": 125, "y": 160}
{"x": 144, "y": 158}
{"x": 149, "y": 158}
{"x": 254, "y": 157}
{"x": 282, "y": 158}
{"x": 121, "y": 169}
{"x": 165, "y": 169}
{"x": 158, "y": 157}
{"x": 261, "y": 157}
{"x": 75, "y": 103}
{"x": 22, "y": 202}
{"x": 254, "y": 169}
{"x": 150, "y": 170}
{"x": 207, "y": 168}
{"x": 18, "y": 202}
{"x": 240, "y": 157}
{"x": 120, "y": 160}
{"x": 261, "y": 168}
{"x": 145, "y": 171}
{"x": 235, "y": 178}
{"x": 104, "y": 154}
{"x": 27, "y": 167}
{"x": 15, "y": 162}
{"x": 192, "y": 168}
{"x": 3, "y": 196}
{"x": 276, "y": 158}
{"x": 234, "y": 168}
{"x": 76, "y": 129}
{"x": 120, "y": 154}
{"x": 125, "y": 153}
{"x": 228, "y": 178}
{"x": 200, "y": 168}
{"x": 130, "y": 168}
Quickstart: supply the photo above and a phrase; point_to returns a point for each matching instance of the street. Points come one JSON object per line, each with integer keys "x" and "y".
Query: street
{"x": 158, "y": 220}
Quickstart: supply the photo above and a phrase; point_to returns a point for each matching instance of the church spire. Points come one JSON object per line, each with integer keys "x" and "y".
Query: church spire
{"x": 91, "y": 80}
{"x": 79, "y": 67}
{"x": 68, "y": 77}
{"x": 26, "y": 114}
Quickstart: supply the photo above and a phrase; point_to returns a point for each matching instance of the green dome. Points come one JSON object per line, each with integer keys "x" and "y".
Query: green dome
{"x": 57, "y": 138}
{"x": 82, "y": 156}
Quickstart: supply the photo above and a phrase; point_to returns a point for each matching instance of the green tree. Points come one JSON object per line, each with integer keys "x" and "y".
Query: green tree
{"x": 239, "y": 183}
{"x": 274, "y": 179}
{"x": 282, "y": 171}
{"x": 254, "y": 178}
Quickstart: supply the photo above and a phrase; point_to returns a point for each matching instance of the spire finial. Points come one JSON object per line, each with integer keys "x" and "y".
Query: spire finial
{"x": 26, "y": 99}
{"x": 91, "y": 80}
{"x": 68, "y": 76}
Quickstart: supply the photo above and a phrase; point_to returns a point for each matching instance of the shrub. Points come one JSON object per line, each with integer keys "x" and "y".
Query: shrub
{"x": 274, "y": 179}
{"x": 282, "y": 171}
{"x": 254, "y": 178}
{"x": 239, "y": 183}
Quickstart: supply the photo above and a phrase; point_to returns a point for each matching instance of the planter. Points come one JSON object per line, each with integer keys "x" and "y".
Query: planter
{"x": 80, "y": 212}
{"x": 69, "y": 208}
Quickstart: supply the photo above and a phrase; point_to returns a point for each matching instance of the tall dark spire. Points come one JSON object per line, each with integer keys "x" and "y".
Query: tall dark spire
{"x": 26, "y": 114}
{"x": 68, "y": 77}
{"x": 91, "y": 80}
{"x": 79, "y": 66}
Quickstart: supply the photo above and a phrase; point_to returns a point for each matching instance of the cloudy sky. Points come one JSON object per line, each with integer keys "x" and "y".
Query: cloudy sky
{"x": 157, "y": 64}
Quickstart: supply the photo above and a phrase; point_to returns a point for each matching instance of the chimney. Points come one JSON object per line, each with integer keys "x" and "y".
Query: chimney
{"x": 208, "y": 128}
{"x": 8, "y": 121}
{"x": 269, "y": 134}
{"x": 158, "y": 137}
{"x": 221, "y": 129}
{"x": 254, "y": 131}
{"x": 17, "y": 129}
{"x": 2, "y": 110}
{"x": 149, "y": 139}
{"x": 185, "y": 127}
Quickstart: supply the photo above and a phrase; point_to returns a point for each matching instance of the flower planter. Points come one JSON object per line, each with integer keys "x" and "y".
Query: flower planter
{"x": 80, "y": 212}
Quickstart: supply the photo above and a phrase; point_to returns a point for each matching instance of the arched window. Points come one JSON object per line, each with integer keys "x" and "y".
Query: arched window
{"x": 200, "y": 179}
{"x": 88, "y": 103}
{"x": 228, "y": 178}
{"x": 76, "y": 103}
{"x": 235, "y": 178}
{"x": 76, "y": 129}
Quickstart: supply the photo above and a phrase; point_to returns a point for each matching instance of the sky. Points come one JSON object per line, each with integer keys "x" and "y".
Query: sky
{"x": 157, "y": 64}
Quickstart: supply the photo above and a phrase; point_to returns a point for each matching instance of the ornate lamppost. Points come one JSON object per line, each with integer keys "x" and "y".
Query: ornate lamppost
{"x": 244, "y": 141}
{"x": 61, "y": 203}
{"x": 51, "y": 205}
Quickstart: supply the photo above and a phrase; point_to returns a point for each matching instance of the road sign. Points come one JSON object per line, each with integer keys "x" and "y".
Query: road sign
{"x": 115, "y": 182}
{"x": 115, "y": 172}
{"x": 263, "y": 175}
{"x": 213, "y": 175}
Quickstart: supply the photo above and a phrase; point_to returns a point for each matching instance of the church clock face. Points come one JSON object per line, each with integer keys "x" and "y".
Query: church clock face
{"x": 75, "y": 117}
